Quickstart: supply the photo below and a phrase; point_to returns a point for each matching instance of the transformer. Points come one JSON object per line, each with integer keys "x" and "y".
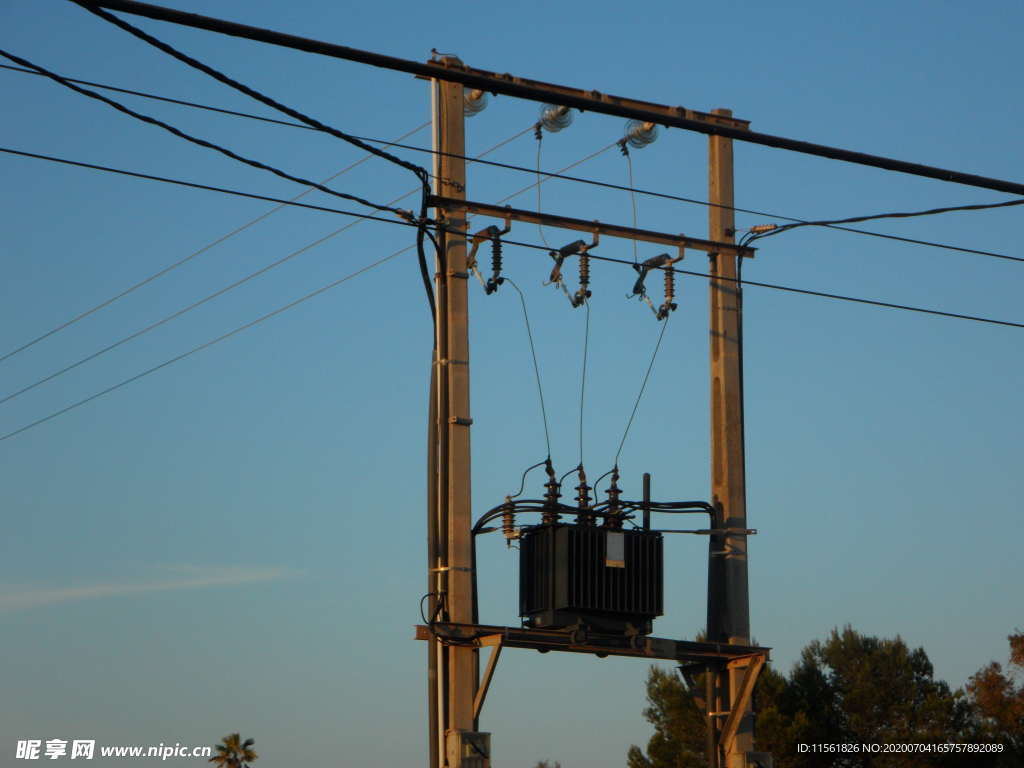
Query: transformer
{"x": 590, "y": 578}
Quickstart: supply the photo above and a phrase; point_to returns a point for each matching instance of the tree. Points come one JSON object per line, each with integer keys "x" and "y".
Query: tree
{"x": 850, "y": 689}
{"x": 232, "y": 752}
{"x": 999, "y": 703}
{"x": 679, "y": 733}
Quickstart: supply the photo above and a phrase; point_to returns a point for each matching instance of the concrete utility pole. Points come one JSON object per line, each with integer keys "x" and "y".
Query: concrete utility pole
{"x": 455, "y": 669}
{"x": 728, "y": 599}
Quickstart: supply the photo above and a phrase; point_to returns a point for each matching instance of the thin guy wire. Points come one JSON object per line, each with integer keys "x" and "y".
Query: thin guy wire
{"x": 539, "y": 227}
{"x": 210, "y": 343}
{"x": 188, "y": 308}
{"x": 200, "y": 142}
{"x": 533, "y": 246}
{"x": 632, "y": 195}
{"x": 536, "y": 367}
{"x": 583, "y": 377}
{"x": 550, "y": 176}
{"x": 194, "y": 254}
{"x": 205, "y": 187}
{"x": 664, "y": 325}
{"x": 211, "y": 296}
{"x": 169, "y": 100}
{"x": 496, "y": 147}
{"x": 910, "y": 240}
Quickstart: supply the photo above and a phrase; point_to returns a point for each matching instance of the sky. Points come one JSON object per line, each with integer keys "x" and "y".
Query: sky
{"x": 236, "y": 541}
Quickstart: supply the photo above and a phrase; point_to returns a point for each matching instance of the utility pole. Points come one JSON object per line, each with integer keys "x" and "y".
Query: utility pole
{"x": 455, "y": 743}
{"x": 728, "y": 598}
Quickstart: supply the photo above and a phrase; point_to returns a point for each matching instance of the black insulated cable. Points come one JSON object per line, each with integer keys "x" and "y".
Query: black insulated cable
{"x": 421, "y": 173}
{"x": 630, "y": 188}
{"x": 532, "y": 246}
{"x": 195, "y": 140}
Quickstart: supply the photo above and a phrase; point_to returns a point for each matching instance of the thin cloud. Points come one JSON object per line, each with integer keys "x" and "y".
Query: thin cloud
{"x": 189, "y": 577}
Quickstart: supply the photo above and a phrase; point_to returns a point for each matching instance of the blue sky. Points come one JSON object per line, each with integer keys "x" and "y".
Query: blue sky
{"x": 236, "y": 542}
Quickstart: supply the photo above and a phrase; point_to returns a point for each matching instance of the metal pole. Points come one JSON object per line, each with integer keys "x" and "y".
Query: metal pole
{"x": 729, "y": 606}
{"x": 453, "y": 367}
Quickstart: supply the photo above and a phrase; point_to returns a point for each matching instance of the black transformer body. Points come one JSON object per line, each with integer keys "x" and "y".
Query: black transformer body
{"x": 590, "y": 577}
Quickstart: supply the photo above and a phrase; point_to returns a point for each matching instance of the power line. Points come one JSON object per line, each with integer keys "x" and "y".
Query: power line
{"x": 831, "y": 224}
{"x": 754, "y": 212}
{"x": 592, "y": 101}
{"x": 533, "y": 246}
{"x": 220, "y": 291}
{"x": 420, "y": 173}
{"x": 805, "y": 291}
{"x": 536, "y": 368}
{"x": 875, "y": 216}
{"x": 640, "y": 394}
{"x": 197, "y": 185}
{"x": 168, "y": 99}
{"x": 195, "y": 140}
{"x": 194, "y": 254}
{"x": 210, "y": 343}
{"x": 187, "y": 308}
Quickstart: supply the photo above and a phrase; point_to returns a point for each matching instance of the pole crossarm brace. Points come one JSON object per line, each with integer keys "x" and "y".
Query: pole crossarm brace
{"x": 583, "y": 225}
{"x": 533, "y": 90}
{"x": 753, "y": 668}
{"x": 485, "y": 683}
{"x": 544, "y": 640}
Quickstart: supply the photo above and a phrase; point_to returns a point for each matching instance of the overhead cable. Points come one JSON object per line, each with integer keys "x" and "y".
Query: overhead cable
{"x": 776, "y": 230}
{"x": 195, "y": 140}
{"x": 168, "y": 99}
{"x": 203, "y": 346}
{"x": 188, "y": 308}
{"x": 533, "y": 246}
{"x": 583, "y": 180}
{"x": 209, "y": 297}
{"x": 171, "y": 267}
{"x": 251, "y": 92}
{"x": 569, "y": 98}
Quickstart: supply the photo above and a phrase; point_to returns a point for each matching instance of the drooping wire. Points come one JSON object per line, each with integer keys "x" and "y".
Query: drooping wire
{"x": 203, "y": 346}
{"x": 555, "y": 175}
{"x": 170, "y": 100}
{"x": 536, "y": 368}
{"x": 876, "y": 216}
{"x": 217, "y": 293}
{"x": 583, "y": 376}
{"x": 643, "y": 386}
{"x": 539, "y": 135}
{"x": 532, "y": 246}
{"x": 522, "y": 482}
{"x": 200, "y": 142}
{"x": 632, "y": 191}
{"x": 582, "y": 180}
{"x": 171, "y": 267}
{"x": 421, "y": 173}
{"x": 188, "y": 308}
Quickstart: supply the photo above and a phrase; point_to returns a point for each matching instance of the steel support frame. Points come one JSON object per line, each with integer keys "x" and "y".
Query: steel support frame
{"x": 507, "y": 213}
